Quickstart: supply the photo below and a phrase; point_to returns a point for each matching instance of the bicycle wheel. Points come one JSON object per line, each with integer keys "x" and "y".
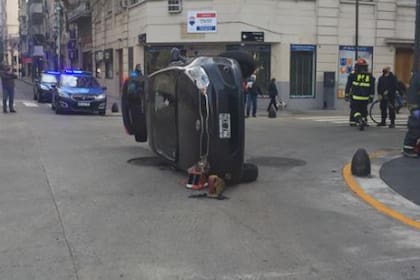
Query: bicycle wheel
{"x": 375, "y": 112}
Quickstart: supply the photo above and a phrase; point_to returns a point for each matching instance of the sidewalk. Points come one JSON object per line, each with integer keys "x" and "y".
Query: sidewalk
{"x": 393, "y": 187}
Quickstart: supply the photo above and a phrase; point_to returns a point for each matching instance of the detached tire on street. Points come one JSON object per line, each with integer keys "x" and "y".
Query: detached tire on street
{"x": 133, "y": 116}
{"x": 249, "y": 173}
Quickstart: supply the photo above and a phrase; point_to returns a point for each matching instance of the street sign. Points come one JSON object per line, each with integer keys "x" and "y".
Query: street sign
{"x": 202, "y": 22}
{"x": 252, "y": 36}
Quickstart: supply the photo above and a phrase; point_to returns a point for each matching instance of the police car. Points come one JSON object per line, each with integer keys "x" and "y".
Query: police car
{"x": 78, "y": 91}
{"x": 45, "y": 86}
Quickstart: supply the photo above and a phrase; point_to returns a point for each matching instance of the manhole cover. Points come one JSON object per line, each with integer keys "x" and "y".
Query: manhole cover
{"x": 277, "y": 161}
{"x": 148, "y": 161}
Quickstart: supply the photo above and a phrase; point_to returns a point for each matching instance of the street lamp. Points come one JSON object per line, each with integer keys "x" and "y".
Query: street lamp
{"x": 357, "y": 30}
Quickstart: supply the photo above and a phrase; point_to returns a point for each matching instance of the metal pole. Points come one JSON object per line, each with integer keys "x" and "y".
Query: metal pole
{"x": 58, "y": 21}
{"x": 416, "y": 62}
{"x": 357, "y": 30}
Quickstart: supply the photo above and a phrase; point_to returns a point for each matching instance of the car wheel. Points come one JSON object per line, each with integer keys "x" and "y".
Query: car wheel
{"x": 102, "y": 113}
{"x": 133, "y": 116}
{"x": 249, "y": 173}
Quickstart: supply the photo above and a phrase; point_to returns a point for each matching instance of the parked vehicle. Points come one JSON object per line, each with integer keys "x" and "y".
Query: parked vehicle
{"x": 79, "y": 91}
{"x": 45, "y": 86}
{"x": 192, "y": 114}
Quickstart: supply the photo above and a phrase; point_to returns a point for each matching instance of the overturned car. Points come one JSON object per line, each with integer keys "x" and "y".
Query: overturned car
{"x": 192, "y": 114}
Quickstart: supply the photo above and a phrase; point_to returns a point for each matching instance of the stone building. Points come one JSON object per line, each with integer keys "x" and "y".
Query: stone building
{"x": 299, "y": 42}
{"x": 307, "y": 45}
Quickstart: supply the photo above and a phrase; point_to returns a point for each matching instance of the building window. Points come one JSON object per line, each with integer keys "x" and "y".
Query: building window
{"x": 174, "y": 6}
{"x": 302, "y": 70}
{"x": 109, "y": 64}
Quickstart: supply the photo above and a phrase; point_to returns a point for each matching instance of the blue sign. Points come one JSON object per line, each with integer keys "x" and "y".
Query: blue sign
{"x": 303, "y": 48}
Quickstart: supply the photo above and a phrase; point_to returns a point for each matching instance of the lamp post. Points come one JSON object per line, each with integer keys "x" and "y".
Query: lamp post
{"x": 357, "y": 30}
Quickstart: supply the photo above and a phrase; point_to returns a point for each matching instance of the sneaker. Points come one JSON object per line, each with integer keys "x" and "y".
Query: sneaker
{"x": 410, "y": 153}
{"x": 392, "y": 125}
{"x": 353, "y": 124}
{"x": 381, "y": 124}
{"x": 13, "y": 111}
{"x": 254, "y": 116}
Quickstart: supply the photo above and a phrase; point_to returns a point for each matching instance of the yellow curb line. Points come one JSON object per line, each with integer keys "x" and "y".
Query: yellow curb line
{"x": 355, "y": 187}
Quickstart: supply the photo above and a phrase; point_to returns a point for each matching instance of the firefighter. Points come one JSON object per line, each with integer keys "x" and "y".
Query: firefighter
{"x": 412, "y": 138}
{"x": 360, "y": 90}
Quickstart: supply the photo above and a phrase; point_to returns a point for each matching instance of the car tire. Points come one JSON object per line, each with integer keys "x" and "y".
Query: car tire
{"x": 249, "y": 173}
{"x": 58, "y": 110}
{"x": 102, "y": 113}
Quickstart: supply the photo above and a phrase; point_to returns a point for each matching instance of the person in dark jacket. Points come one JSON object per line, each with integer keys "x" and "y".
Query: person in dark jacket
{"x": 253, "y": 91}
{"x": 272, "y": 93}
{"x": 8, "y": 85}
{"x": 387, "y": 87}
{"x": 360, "y": 89}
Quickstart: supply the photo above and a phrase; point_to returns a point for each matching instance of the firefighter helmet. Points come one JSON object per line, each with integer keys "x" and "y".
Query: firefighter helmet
{"x": 361, "y": 61}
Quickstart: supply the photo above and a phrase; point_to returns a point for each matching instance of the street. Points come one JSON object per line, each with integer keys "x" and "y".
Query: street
{"x": 81, "y": 200}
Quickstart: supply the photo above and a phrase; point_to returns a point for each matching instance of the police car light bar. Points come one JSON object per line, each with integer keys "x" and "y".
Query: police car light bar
{"x": 52, "y": 72}
{"x": 70, "y": 71}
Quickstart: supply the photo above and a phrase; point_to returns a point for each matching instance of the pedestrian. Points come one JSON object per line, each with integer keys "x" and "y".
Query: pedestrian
{"x": 360, "y": 89}
{"x": 8, "y": 86}
{"x": 272, "y": 93}
{"x": 387, "y": 87}
{"x": 253, "y": 91}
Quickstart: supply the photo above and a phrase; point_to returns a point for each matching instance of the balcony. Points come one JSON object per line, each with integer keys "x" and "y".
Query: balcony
{"x": 80, "y": 12}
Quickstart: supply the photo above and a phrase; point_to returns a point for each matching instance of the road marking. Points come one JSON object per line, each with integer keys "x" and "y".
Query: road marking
{"x": 30, "y": 104}
{"x": 357, "y": 189}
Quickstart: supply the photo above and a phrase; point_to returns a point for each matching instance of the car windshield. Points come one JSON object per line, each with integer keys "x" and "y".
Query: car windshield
{"x": 48, "y": 78}
{"x": 78, "y": 81}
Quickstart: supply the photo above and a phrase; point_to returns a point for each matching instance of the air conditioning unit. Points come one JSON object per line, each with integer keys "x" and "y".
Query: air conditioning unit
{"x": 174, "y": 6}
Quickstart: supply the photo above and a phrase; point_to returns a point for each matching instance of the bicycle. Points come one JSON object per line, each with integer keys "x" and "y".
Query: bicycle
{"x": 375, "y": 109}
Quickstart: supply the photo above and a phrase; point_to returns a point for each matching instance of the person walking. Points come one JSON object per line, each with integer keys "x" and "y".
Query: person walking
{"x": 360, "y": 89}
{"x": 253, "y": 91}
{"x": 272, "y": 93}
{"x": 387, "y": 87}
{"x": 8, "y": 86}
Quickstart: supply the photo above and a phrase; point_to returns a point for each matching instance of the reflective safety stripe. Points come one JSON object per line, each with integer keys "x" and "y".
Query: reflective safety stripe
{"x": 357, "y": 84}
{"x": 357, "y": 115}
{"x": 360, "y": 98}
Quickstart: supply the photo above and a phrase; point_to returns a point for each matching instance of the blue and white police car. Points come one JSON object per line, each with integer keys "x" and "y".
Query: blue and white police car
{"x": 79, "y": 91}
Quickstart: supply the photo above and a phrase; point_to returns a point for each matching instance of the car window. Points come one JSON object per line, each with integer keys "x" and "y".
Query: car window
{"x": 48, "y": 78}
{"x": 79, "y": 81}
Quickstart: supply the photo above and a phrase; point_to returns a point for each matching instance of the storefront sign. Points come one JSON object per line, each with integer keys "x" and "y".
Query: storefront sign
{"x": 252, "y": 36}
{"x": 202, "y": 22}
{"x": 346, "y": 60}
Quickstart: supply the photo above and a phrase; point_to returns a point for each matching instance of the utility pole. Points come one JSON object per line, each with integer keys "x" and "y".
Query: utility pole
{"x": 58, "y": 25}
{"x": 416, "y": 62}
{"x": 357, "y": 29}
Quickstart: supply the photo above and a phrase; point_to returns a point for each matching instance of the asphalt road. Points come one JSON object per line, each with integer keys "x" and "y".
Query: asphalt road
{"x": 72, "y": 207}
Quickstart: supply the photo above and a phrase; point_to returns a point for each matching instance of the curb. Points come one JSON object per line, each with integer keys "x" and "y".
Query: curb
{"x": 381, "y": 206}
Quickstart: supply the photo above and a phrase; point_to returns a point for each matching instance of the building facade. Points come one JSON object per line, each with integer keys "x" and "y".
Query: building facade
{"x": 307, "y": 45}
{"x": 12, "y": 46}
{"x": 301, "y": 43}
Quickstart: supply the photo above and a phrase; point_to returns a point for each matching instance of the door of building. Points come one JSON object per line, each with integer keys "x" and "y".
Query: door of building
{"x": 404, "y": 64}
